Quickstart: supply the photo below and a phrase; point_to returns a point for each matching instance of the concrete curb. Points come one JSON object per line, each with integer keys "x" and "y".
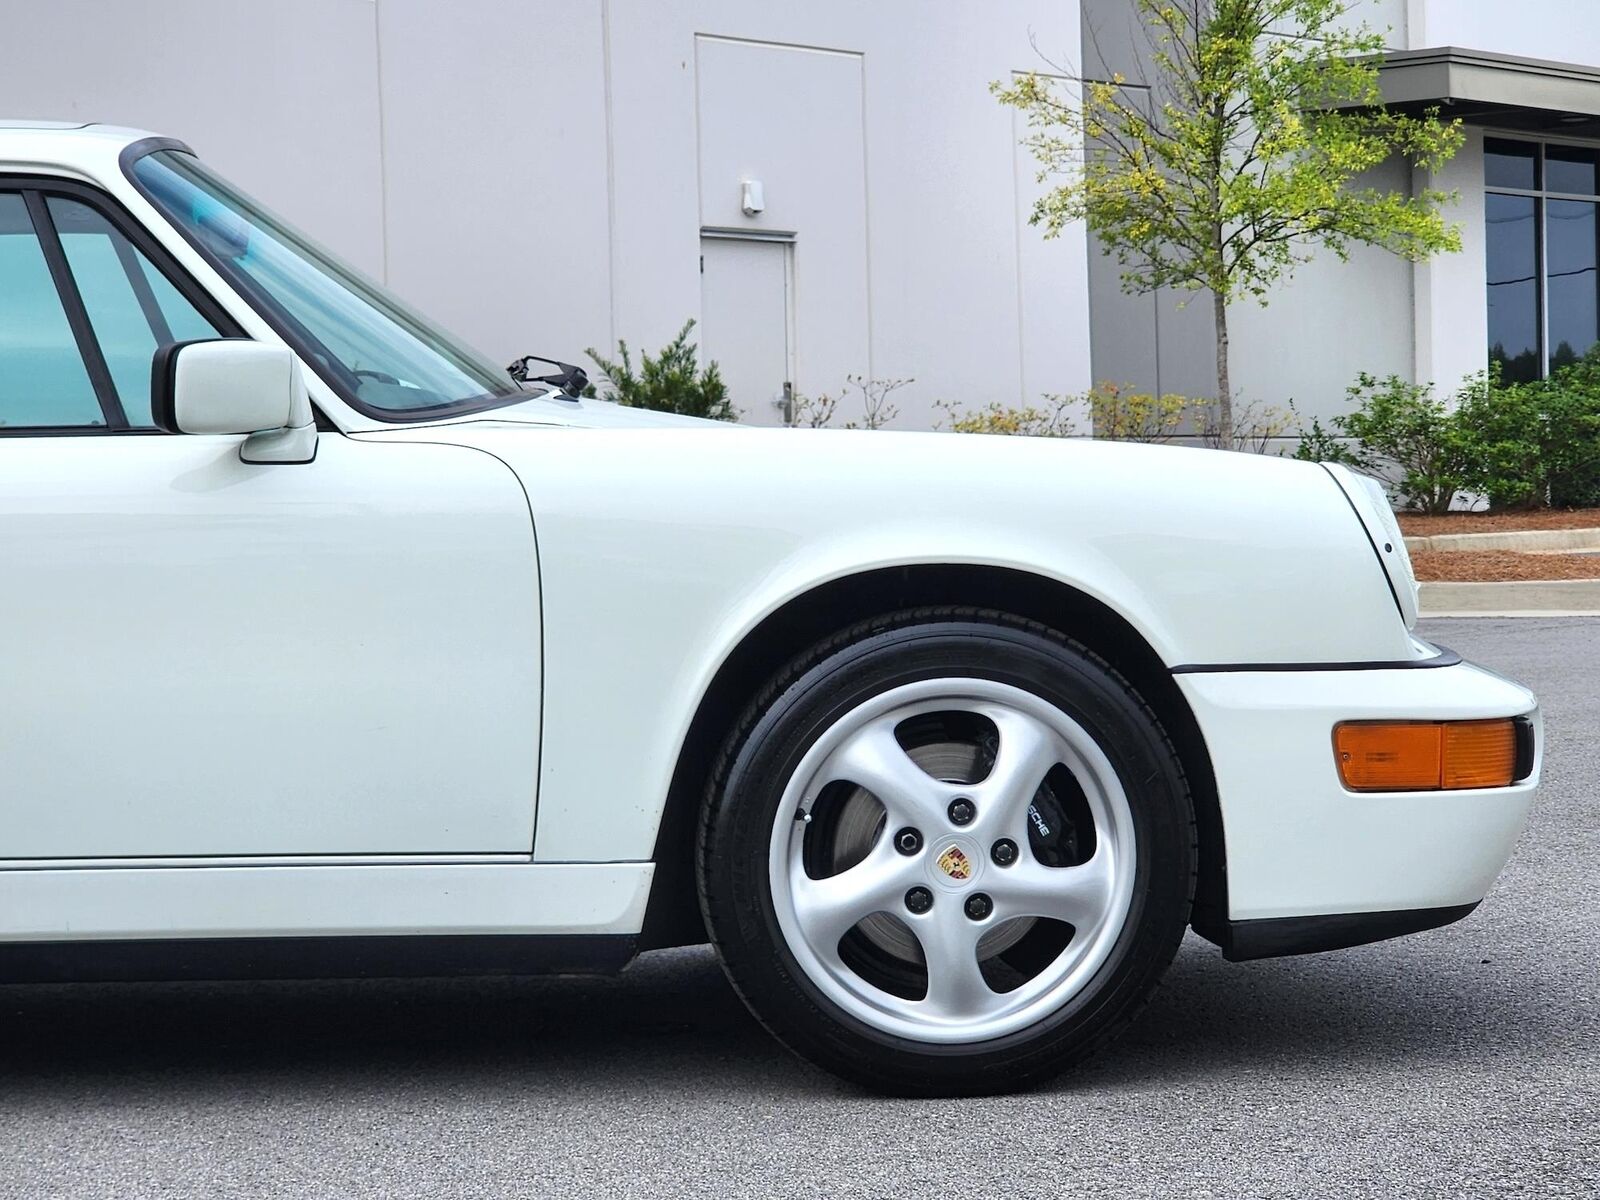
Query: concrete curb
{"x": 1528, "y": 541}
{"x": 1569, "y": 597}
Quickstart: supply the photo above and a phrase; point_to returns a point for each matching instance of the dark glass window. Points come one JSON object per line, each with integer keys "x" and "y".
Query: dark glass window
{"x": 1570, "y": 169}
{"x": 1570, "y": 271}
{"x": 1512, "y": 226}
{"x": 1543, "y": 254}
{"x": 1508, "y": 164}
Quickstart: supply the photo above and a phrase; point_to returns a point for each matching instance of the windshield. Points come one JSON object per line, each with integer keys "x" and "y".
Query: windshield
{"x": 377, "y": 354}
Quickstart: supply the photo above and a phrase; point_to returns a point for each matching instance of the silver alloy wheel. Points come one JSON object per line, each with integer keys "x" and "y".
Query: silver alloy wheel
{"x": 953, "y": 863}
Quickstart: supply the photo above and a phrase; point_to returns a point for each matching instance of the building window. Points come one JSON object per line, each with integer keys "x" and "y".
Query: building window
{"x": 1543, "y": 282}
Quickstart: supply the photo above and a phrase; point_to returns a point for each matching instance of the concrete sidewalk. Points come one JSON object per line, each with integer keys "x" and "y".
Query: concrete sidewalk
{"x": 1526, "y": 541}
{"x": 1543, "y": 598}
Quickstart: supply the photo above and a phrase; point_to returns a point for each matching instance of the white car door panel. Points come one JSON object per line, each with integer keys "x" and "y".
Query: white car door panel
{"x": 205, "y": 657}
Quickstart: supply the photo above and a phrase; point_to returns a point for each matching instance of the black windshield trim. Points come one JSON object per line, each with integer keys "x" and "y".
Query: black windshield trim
{"x": 310, "y": 351}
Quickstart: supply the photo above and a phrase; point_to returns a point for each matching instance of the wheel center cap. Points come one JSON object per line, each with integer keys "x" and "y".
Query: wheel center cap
{"x": 955, "y": 864}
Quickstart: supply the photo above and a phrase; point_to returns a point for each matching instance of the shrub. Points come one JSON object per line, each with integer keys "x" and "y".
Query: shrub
{"x": 813, "y": 412}
{"x": 1321, "y": 445}
{"x": 1570, "y": 434}
{"x": 1536, "y": 443}
{"x": 1412, "y": 428}
{"x": 818, "y": 412}
{"x": 876, "y": 411}
{"x": 1499, "y": 432}
{"x": 670, "y": 382}
{"x": 1123, "y": 415}
{"x": 1254, "y": 425}
{"x": 1053, "y": 420}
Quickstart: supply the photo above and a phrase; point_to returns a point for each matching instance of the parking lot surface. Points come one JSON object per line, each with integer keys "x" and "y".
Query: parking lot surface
{"x": 1460, "y": 1062}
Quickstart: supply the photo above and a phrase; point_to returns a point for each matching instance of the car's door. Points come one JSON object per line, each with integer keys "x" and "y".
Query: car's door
{"x": 203, "y": 657}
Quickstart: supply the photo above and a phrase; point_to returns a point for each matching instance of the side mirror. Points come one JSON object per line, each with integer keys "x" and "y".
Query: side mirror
{"x": 233, "y": 386}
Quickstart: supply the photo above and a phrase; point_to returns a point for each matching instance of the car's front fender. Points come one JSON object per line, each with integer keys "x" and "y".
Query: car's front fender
{"x": 661, "y": 550}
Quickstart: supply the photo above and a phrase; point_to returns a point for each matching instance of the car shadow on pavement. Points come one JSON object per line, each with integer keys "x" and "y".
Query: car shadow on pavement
{"x": 671, "y": 1021}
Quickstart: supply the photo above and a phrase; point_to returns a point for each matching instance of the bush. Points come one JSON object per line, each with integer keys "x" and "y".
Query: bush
{"x": 1255, "y": 425}
{"x": 1570, "y": 434}
{"x": 1052, "y": 420}
{"x": 818, "y": 412}
{"x": 1523, "y": 445}
{"x": 1499, "y": 431}
{"x": 1536, "y": 443}
{"x": 669, "y": 382}
{"x": 1406, "y": 424}
{"x": 1122, "y": 415}
{"x": 1116, "y": 413}
{"x": 1320, "y": 445}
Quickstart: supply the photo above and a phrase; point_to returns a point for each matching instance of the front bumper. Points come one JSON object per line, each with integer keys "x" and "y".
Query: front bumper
{"x": 1312, "y": 866}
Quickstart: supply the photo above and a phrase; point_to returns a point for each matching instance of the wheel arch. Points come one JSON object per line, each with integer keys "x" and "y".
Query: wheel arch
{"x": 673, "y": 916}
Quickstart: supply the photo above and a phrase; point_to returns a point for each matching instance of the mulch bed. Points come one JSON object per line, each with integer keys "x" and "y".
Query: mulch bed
{"x": 1416, "y": 525}
{"x": 1498, "y": 566}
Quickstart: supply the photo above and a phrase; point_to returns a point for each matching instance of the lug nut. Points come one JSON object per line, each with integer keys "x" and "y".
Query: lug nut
{"x": 1004, "y": 852}
{"x": 962, "y": 811}
{"x": 979, "y": 906}
{"x": 908, "y": 841}
{"x": 919, "y": 900}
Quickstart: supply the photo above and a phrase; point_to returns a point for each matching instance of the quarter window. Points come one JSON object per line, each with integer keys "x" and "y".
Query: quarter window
{"x": 132, "y": 307}
{"x": 43, "y": 380}
{"x": 1543, "y": 268}
{"x": 82, "y": 311}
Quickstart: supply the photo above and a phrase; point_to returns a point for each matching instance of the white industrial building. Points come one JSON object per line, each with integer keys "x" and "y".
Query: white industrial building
{"x": 826, "y": 185}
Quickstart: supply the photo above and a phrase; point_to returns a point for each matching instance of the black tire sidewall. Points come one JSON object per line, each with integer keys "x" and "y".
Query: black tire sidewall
{"x": 737, "y": 834}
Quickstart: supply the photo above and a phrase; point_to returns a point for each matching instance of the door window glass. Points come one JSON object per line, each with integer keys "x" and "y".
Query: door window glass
{"x": 43, "y": 381}
{"x": 132, "y": 307}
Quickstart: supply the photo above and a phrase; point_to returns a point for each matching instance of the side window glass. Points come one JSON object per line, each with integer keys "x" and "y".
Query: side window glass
{"x": 132, "y": 307}
{"x": 43, "y": 380}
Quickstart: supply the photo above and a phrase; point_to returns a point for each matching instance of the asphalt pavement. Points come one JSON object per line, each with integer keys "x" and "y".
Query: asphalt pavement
{"x": 1460, "y": 1062}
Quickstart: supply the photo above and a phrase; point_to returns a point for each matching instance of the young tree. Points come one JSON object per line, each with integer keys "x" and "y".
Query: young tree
{"x": 1238, "y": 156}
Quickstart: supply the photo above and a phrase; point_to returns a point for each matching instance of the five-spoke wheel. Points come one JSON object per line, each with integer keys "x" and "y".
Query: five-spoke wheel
{"x": 947, "y": 851}
{"x": 954, "y": 927}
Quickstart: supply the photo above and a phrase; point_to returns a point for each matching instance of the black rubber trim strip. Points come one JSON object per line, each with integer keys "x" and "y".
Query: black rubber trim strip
{"x": 1445, "y": 658}
{"x": 7, "y": 431}
{"x": 163, "y": 387}
{"x": 94, "y": 360}
{"x": 365, "y": 957}
{"x": 1278, "y": 937}
{"x": 1525, "y": 750}
{"x": 134, "y": 151}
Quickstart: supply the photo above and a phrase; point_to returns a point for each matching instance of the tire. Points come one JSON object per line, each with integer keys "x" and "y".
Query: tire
{"x": 807, "y": 863}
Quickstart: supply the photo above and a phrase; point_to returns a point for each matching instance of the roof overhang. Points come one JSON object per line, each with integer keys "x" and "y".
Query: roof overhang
{"x": 1494, "y": 89}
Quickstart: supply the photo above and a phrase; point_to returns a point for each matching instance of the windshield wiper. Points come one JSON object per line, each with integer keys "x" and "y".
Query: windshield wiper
{"x": 570, "y": 379}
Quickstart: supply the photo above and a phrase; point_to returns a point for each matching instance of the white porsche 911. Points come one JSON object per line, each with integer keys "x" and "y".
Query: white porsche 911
{"x": 331, "y": 648}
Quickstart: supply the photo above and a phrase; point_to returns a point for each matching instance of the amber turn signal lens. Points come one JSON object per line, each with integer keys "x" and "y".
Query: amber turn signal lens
{"x": 1479, "y": 754}
{"x": 1415, "y": 756}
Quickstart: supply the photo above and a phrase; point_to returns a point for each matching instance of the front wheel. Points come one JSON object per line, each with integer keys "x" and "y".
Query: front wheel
{"x": 947, "y": 852}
